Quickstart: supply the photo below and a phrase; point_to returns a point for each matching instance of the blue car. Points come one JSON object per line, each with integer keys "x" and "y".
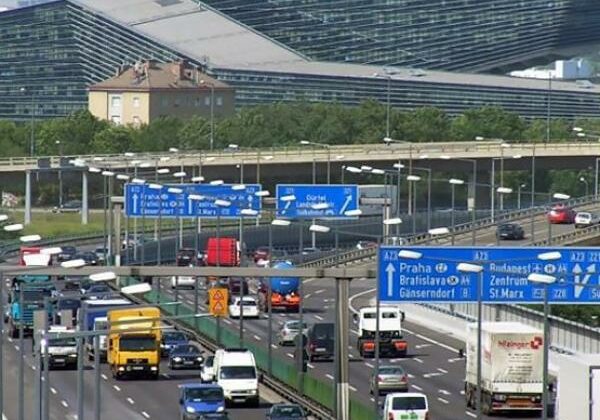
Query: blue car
{"x": 185, "y": 356}
{"x": 171, "y": 339}
{"x": 196, "y": 400}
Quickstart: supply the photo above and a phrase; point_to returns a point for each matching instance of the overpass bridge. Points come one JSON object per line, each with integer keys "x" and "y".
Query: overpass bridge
{"x": 293, "y": 161}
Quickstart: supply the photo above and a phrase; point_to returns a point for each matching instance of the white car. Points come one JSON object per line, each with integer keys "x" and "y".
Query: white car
{"x": 250, "y": 307}
{"x": 585, "y": 219}
{"x": 207, "y": 371}
{"x": 183, "y": 281}
{"x": 409, "y": 405}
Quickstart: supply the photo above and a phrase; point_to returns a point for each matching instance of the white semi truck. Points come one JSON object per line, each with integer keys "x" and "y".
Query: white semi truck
{"x": 391, "y": 341}
{"x": 512, "y": 364}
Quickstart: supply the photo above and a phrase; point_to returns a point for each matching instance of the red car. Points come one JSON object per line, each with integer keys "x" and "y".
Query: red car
{"x": 561, "y": 214}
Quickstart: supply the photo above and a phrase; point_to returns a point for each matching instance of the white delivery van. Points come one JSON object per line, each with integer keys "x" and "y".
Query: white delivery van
{"x": 235, "y": 371}
{"x": 406, "y": 405}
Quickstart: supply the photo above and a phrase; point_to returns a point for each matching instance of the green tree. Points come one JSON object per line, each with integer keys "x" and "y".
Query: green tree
{"x": 160, "y": 134}
{"x": 487, "y": 122}
{"x": 113, "y": 139}
{"x": 560, "y": 130}
{"x": 12, "y": 139}
{"x": 427, "y": 124}
{"x": 195, "y": 134}
{"x": 74, "y": 133}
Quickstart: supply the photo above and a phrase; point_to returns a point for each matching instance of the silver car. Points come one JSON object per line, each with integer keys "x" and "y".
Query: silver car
{"x": 389, "y": 379}
{"x": 288, "y": 332}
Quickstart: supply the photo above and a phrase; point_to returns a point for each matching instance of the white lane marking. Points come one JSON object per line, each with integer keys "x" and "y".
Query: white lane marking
{"x": 440, "y": 399}
{"x": 372, "y": 399}
{"x": 290, "y": 355}
{"x": 443, "y": 391}
{"x": 369, "y": 365}
{"x": 319, "y": 291}
{"x": 319, "y": 317}
{"x": 416, "y": 359}
{"x": 116, "y": 387}
{"x": 432, "y": 375}
{"x": 9, "y": 339}
{"x": 410, "y": 375}
{"x": 417, "y": 387}
{"x": 422, "y": 346}
{"x": 442, "y": 370}
{"x": 352, "y": 388}
{"x": 468, "y": 413}
{"x": 308, "y": 295}
{"x": 462, "y": 392}
{"x": 225, "y": 320}
{"x": 329, "y": 376}
{"x": 64, "y": 403}
{"x": 16, "y": 347}
{"x": 104, "y": 377}
{"x": 53, "y": 390}
{"x": 310, "y": 365}
{"x": 456, "y": 359}
{"x": 130, "y": 400}
{"x": 274, "y": 346}
{"x": 145, "y": 414}
{"x": 432, "y": 341}
{"x": 256, "y": 337}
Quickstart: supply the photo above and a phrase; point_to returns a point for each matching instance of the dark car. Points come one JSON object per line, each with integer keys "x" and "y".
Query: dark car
{"x": 73, "y": 206}
{"x": 319, "y": 343}
{"x": 185, "y": 257}
{"x": 185, "y": 356}
{"x": 90, "y": 258}
{"x": 66, "y": 304}
{"x": 101, "y": 254}
{"x": 97, "y": 291}
{"x": 286, "y": 412}
{"x": 66, "y": 253}
{"x": 510, "y": 231}
{"x": 261, "y": 253}
{"x": 237, "y": 285}
{"x": 170, "y": 340}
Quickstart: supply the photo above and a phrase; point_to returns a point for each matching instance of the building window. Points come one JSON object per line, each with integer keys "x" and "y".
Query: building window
{"x": 115, "y": 119}
{"x": 219, "y": 100}
{"x": 115, "y": 101}
{"x": 198, "y": 102}
{"x": 207, "y": 101}
{"x": 136, "y": 102}
{"x": 136, "y": 121}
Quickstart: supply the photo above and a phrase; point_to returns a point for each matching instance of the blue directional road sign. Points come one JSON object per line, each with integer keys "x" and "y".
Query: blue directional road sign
{"x": 196, "y": 200}
{"x": 316, "y": 201}
{"x": 434, "y": 276}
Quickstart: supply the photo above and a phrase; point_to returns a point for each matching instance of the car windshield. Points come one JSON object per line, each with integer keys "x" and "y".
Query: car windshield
{"x": 291, "y": 411}
{"x": 62, "y": 342}
{"x": 391, "y": 370}
{"x": 247, "y": 303}
{"x": 295, "y": 325}
{"x": 186, "y": 349}
{"x": 34, "y": 295}
{"x": 209, "y": 361}
{"x": 238, "y": 372}
{"x": 409, "y": 403}
{"x": 174, "y": 336}
{"x": 68, "y": 250}
{"x": 69, "y": 304}
{"x": 323, "y": 331}
{"x": 584, "y": 216}
{"x": 137, "y": 343}
{"x": 204, "y": 394}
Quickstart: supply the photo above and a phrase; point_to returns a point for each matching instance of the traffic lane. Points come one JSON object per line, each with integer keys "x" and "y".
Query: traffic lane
{"x": 11, "y": 355}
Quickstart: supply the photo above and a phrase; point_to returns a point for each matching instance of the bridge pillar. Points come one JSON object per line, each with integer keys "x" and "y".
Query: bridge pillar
{"x": 84, "y": 198}
{"x": 27, "y": 218}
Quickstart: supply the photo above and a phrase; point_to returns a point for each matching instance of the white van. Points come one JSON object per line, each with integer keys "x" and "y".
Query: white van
{"x": 406, "y": 405}
{"x": 235, "y": 371}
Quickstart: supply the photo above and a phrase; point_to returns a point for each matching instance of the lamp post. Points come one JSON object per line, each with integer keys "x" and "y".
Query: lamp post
{"x": 325, "y": 146}
{"x": 32, "y": 119}
{"x": 476, "y": 269}
{"x": 519, "y": 195}
{"x": 388, "y": 140}
{"x": 473, "y": 210}
{"x": 438, "y": 231}
{"x": 413, "y": 179}
{"x": 388, "y": 76}
{"x": 582, "y": 179}
{"x": 453, "y": 183}
{"x": 60, "y": 183}
{"x": 501, "y": 191}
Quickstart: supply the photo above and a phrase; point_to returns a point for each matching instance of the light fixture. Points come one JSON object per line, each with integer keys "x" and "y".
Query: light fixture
{"x": 175, "y": 190}
{"x": 129, "y": 154}
{"x": 3, "y": 217}
{"x": 30, "y": 238}
{"x": 399, "y": 166}
{"x": 196, "y": 197}
{"x": 136, "y": 288}
{"x": 78, "y": 263}
{"x": 504, "y": 190}
{"x": 123, "y": 177}
{"x": 560, "y": 196}
{"x": 353, "y": 213}
{"x": 280, "y": 222}
{"x": 155, "y": 186}
{"x": 353, "y": 169}
{"x": 163, "y": 171}
{"x": 248, "y": 212}
{"x": 445, "y": 157}
{"x": 198, "y": 179}
{"x": 108, "y": 173}
{"x": 366, "y": 168}
{"x": 268, "y": 157}
{"x": 222, "y": 203}
{"x": 165, "y": 159}
{"x": 549, "y": 256}
{"x": 438, "y": 231}
{"x": 387, "y": 139}
{"x": 145, "y": 165}
{"x": 541, "y": 278}
{"x": 469, "y": 268}
{"x": 409, "y": 255}
{"x": 319, "y": 228}
{"x": 94, "y": 170}
{"x": 104, "y": 276}
{"x": 179, "y": 174}
{"x": 173, "y": 150}
{"x": 377, "y": 171}
{"x": 238, "y": 187}
{"x": 392, "y": 221}
{"x": 287, "y": 198}
{"x": 138, "y": 181}
{"x": 456, "y": 181}
{"x": 413, "y": 178}
{"x": 13, "y": 228}
{"x": 262, "y": 193}
{"x": 216, "y": 182}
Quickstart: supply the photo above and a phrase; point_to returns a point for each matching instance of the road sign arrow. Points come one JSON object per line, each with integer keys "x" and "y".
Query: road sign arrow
{"x": 581, "y": 282}
{"x": 346, "y": 204}
{"x": 135, "y": 202}
{"x": 390, "y": 270}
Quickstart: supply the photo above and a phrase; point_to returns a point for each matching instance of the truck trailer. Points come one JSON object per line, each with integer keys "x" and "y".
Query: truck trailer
{"x": 284, "y": 291}
{"x": 93, "y": 317}
{"x": 511, "y": 367}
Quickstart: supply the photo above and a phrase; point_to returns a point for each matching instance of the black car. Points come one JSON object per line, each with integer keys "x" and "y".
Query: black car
{"x": 319, "y": 343}
{"x": 90, "y": 258}
{"x": 286, "y": 412}
{"x": 66, "y": 253}
{"x": 185, "y": 356}
{"x": 73, "y": 206}
{"x": 185, "y": 257}
{"x": 97, "y": 291}
{"x": 510, "y": 231}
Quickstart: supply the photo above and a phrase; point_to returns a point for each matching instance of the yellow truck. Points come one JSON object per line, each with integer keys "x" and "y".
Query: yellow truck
{"x": 134, "y": 342}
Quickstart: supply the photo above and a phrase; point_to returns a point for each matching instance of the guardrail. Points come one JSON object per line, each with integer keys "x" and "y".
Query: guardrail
{"x": 320, "y": 153}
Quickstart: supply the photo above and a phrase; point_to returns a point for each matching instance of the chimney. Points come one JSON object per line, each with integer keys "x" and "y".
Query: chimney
{"x": 178, "y": 69}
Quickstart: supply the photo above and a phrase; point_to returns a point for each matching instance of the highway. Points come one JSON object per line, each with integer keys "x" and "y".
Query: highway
{"x": 433, "y": 365}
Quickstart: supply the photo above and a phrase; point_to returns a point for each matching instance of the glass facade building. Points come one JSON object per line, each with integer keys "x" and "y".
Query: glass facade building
{"x": 52, "y": 52}
{"x": 471, "y": 35}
